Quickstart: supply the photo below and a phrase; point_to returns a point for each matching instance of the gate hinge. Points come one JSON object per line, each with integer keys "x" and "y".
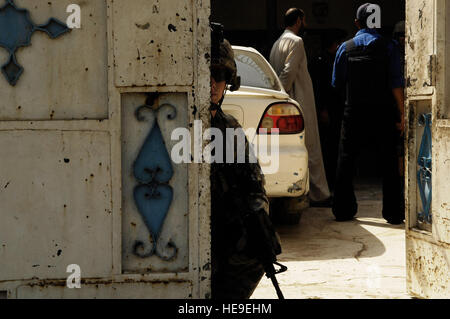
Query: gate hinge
{"x": 432, "y": 64}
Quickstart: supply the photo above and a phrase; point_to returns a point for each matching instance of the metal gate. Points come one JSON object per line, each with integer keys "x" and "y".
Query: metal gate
{"x": 428, "y": 148}
{"x": 89, "y": 196}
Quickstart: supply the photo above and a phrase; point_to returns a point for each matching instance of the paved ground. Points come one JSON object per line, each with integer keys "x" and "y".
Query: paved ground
{"x": 361, "y": 259}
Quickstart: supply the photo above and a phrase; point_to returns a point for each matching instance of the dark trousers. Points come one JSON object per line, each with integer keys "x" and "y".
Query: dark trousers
{"x": 329, "y": 140}
{"x": 368, "y": 126}
{"x": 235, "y": 277}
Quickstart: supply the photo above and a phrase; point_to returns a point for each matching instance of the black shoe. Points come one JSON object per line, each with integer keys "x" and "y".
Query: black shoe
{"x": 344, "y": 218}
{"x": 395, "y": 221}
{"x": 328, "y": 203}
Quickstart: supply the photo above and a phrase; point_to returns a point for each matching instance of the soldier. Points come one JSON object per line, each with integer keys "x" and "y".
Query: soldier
{"x": 244, "y": 243}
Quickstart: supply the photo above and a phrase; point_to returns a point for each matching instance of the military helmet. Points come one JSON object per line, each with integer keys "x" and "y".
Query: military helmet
{"x": 223, "y": 65}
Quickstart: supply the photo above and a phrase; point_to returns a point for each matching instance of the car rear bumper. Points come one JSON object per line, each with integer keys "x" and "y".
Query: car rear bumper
{"x": 291, "y": 178}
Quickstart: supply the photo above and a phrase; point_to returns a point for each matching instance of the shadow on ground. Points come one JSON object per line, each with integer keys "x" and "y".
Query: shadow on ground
{"x": 319, "y": 237}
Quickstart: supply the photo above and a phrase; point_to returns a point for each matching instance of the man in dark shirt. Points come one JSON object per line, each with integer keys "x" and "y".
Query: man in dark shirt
{"x": 367, "y": 71}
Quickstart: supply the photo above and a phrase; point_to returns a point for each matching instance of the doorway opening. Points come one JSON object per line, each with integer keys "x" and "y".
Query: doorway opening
{"x": 364, "y": 258}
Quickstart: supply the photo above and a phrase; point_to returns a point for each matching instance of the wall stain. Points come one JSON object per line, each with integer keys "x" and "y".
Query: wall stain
{"x": 172, "y": 28}
{"x": 143, "y": 26}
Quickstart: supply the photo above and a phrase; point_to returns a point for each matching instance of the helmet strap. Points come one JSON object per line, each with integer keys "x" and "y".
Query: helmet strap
{"x": 216, "y": 107}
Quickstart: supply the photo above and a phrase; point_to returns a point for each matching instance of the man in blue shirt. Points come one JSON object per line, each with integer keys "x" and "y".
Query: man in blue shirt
{"x": 368, "y": 74}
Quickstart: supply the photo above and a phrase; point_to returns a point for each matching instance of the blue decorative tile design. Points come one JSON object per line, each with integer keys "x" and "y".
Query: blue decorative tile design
{"x": 16, "y": 30}
{"x": 424, "y": 174}
{"x": 153, "y": 195}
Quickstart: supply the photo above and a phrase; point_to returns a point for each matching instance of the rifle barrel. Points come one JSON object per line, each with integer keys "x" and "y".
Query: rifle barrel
{"x": 277, "y": 287}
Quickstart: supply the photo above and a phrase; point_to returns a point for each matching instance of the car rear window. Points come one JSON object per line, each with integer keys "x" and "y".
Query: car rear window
{"x": 255, "y": 71}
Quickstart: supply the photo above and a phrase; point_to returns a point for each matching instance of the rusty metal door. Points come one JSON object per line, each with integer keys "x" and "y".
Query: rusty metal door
{"x": 428, "y": 148}
{"x": 91, "y": 204}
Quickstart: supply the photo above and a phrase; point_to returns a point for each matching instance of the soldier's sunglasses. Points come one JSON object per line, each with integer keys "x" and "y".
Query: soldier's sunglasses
{"x": 219, "y": 74}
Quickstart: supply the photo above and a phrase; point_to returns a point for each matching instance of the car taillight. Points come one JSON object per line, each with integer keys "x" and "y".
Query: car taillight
{"x": 284, "y": 117}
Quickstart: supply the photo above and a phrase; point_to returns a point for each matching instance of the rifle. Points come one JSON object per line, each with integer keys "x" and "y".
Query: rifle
{"x": 271, "y": 274}
{"x": 265, "y": 245}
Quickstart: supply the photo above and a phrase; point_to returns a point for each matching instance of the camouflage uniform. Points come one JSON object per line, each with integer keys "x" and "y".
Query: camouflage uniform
{"x": 236, "y": 190}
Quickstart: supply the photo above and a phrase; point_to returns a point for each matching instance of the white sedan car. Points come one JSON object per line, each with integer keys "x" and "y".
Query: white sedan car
{"x": 262, "y": 106}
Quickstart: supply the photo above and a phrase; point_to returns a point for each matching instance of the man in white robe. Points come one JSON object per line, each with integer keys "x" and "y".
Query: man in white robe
{"x": 288, "y": 58}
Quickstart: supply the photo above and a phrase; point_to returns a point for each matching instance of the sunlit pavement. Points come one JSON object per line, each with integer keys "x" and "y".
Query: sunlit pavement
{"x": 360, "y": 259}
